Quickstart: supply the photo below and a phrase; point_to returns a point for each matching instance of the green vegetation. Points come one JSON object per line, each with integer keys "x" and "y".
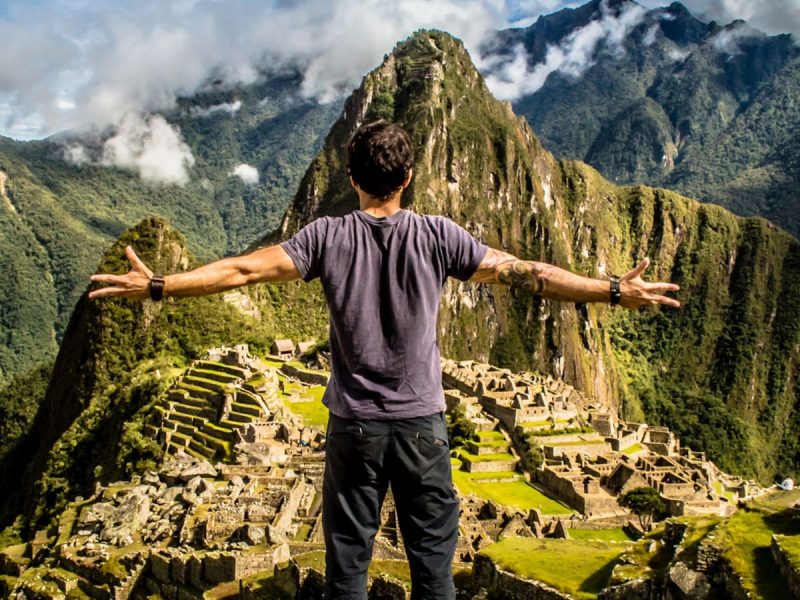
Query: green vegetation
{"x": 633, "y": 449}
{"x": 745, "y": 539}
{"x": 19, "y": 401}
{"x": 791, "y": 546}
{"x": 645, "y": 503}
{"x": 518, "y": 494}
{"x": 460, "y": 429}
{"x": 484, "y": 457}
{"x": 58, "y": 218}
{"x": 578, "y": 567}
{"x": 608, "y": 535}
{"x": 714, "y": 125}
{"x": 313, "y": 411}
{"x": 118, "y": 359}
{"x": 530, "y": 452}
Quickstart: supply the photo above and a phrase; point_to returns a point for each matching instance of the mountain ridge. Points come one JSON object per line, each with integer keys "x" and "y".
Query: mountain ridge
{"x": 484, "y": 167}
{"x": 704, "y": 109}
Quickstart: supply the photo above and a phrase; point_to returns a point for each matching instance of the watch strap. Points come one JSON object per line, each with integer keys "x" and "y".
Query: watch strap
{"x": 157, "y": 288}
{"x": 615, "y": 293}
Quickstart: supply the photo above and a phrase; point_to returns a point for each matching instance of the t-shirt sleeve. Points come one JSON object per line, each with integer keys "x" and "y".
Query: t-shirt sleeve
{"x": 307, "y": 247}
{"x": 462, "y": 252}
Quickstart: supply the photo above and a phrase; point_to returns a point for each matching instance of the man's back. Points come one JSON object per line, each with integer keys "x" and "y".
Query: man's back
{"x": 383, "y": 279}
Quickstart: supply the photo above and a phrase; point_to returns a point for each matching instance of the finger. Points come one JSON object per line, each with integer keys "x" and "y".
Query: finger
{"x": 637, "y": 271}
{"x": 662, "y": 287}
{"x": 108, "y": 291}
{"x": 136, "y": 261}
{"x": 106, "y": 278}
{"x": 666, "y": 300}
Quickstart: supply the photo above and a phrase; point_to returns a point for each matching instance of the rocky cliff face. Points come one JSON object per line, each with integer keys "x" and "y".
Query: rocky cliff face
{"x": 721, "y": 371}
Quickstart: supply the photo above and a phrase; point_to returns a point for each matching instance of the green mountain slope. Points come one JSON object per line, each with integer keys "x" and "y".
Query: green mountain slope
{"x": 56, "y": 219}
{"x": 706, "y": 110}
{"x": 115, "y": 358}
{"x": 721, "y": 371}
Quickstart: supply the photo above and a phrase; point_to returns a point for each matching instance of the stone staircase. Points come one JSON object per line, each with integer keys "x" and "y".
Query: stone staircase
{"x": 196, "y": 418}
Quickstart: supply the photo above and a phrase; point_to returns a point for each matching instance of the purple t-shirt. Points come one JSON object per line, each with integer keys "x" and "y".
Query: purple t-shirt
{"x": 383, "y": 279}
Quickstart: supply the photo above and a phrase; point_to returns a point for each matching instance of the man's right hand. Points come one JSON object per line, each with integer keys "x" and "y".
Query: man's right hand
{"x": 134, "y": 285}
{"x": 265, "y": 264}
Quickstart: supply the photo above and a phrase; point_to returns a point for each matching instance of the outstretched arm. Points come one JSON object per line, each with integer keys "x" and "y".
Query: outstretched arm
{"x": 553, "y": 282}
{"x": 265, "y": 264}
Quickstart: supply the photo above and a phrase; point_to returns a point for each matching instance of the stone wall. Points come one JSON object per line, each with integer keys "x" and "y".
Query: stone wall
{"x": 789, "y": 573}
{"x": 589, "y": 450}
{"x": 283, "y": 520}
{"x": 505, "y": 414}
{"x": 637, "y": 589}
{"x": 170, "y": 570}
{"x": 561, "y": 487}
{"x": 502, "y": 584}
{"x": 488, "y": 466}
{"x": 307, "y": 377}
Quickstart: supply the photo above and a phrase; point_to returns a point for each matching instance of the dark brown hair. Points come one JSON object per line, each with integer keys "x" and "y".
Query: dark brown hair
{"x": 379, "y": 157}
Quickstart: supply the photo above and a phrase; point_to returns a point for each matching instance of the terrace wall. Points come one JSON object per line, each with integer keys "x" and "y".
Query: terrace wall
{"x": 502, "y": 584}
{"x": 789, "y": 573}
{"x": 307, "y": 377}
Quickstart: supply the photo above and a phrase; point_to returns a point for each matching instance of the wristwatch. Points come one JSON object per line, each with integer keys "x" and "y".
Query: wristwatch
{"x": 615, "y": 294}
{"x": 157, "y": 288}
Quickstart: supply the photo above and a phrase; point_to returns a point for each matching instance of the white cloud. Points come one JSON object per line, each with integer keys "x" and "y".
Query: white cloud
{"x": 650, "y": 35}
{"x": 515, "y": 77}
{"x": 248, "y": 174}
{"x": 76, "y": 154}
{"x": 83, "y": 65}
{"x": 769, "y": 16}
{"x": 228, "y": 107}
{"x": 86, "y": 66}
{"x": 728, "y": 39}
{"x": 677, "y": 55}
{"x": 151, "y": 147}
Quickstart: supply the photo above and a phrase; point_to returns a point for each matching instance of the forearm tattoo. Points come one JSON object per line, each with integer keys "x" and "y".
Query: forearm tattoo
{"x": 520, "y": 274}
{"x": 504, "y": 268}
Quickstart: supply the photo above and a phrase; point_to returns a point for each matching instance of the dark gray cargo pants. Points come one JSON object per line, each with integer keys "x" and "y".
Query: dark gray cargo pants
{"x": 362, "y": 458}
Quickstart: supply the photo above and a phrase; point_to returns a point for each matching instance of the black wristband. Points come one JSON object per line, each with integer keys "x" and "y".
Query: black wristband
{"x": 157, "y": 288}
{"x": 615, "y": 294}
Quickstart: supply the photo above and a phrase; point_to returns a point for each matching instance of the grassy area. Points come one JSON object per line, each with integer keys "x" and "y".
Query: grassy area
{"x": 720, "y": 489}
{"x": 640, "y": 562}
{"x": 608, "y": 535}
{"x": 494, "y": 475}
{"x": 303, "y": 532}
{"x": 518, "y": 494}
{"x": 313, "y": 412}
{"x": 745, "y": 538}
{"x": 505, "y": 456}
{"x": 492, "y": 443}
{"x": 263, "y": 584}
{"x": 592, "y": 442}
{"x": 699, "y": 528}
{"x": 630, "y": 450}
{"x": 791, "y": 546}
{"x": 577, "y": 567}
{"x": 486, "y": 436}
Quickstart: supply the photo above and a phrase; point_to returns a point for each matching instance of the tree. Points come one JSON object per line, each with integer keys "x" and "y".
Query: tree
{"x": 459, "y": 428}
{"x": 645, "y": 503}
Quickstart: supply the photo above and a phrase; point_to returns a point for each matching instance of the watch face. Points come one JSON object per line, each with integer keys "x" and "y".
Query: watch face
{"x": 156, "y": 287}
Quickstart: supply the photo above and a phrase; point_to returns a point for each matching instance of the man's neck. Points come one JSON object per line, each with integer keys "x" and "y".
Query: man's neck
{"x": 377, "y": 207}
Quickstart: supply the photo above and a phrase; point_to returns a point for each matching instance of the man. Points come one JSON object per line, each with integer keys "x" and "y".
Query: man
{"x": 382, "y": 270}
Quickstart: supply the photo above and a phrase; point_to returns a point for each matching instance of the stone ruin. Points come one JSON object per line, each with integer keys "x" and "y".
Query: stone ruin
{"x": 240, "y": 491}
{"x": 591, "y": 456}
